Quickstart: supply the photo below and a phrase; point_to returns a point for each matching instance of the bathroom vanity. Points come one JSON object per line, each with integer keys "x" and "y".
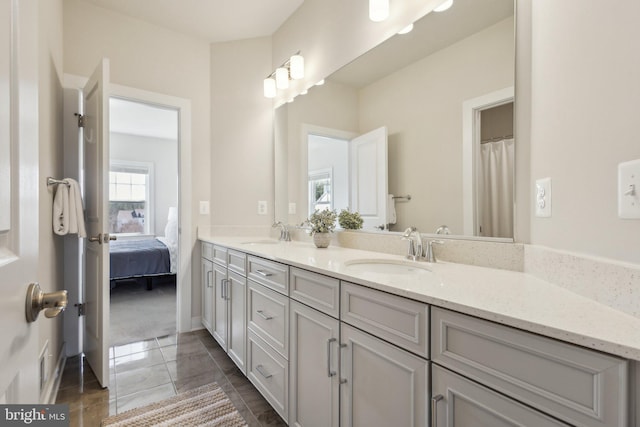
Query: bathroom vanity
{"x": 347, "y": 337}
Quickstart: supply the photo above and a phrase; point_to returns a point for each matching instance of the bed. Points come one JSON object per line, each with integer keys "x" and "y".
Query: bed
{"x": 141, "y": 258}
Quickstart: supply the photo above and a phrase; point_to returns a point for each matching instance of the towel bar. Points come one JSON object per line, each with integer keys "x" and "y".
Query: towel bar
{"x": 53, "y": 181}
{"x": 407, "y": 197}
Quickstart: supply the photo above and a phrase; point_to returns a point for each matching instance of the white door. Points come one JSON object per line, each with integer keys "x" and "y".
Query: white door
{"x": 20, "y": 184}
{"x": 96, "y": 167}
{"x": 368, "y": 176}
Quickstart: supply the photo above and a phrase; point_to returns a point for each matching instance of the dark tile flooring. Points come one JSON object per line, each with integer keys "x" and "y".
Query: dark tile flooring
{"x": 152, "y": 370}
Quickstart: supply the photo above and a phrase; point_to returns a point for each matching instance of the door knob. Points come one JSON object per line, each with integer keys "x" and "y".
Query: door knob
{"x": 52, "y": 303}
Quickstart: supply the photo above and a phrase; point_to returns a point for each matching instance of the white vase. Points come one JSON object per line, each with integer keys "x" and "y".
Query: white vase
{"x": 321, "y": 240}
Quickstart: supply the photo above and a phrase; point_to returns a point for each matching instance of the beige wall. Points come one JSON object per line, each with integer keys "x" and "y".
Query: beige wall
{"x": 152, "y": 58}
{"x": 241, "y": 133}
{"x": 50, "y": 271}
{"x": 584, "y": 107}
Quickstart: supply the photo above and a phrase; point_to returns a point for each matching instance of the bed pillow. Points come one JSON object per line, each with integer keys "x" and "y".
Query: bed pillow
{"x": 171, "y": 232}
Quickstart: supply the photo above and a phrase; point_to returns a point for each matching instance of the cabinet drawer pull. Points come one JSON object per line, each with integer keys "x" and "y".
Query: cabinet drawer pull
{"x": 209, "y": 278}
{"x": 434, "y": 409}
{"x": 264, "y": 273}
{"x": 264, "y": 316}
{"x": 260, "y": 369}
{"x": 330, "y": 373}
{"x": 223, "y": 288}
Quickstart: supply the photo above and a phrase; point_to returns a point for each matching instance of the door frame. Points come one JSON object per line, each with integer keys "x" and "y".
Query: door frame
{"x": 471, "y": 110}
{"x": 186, "y": 239}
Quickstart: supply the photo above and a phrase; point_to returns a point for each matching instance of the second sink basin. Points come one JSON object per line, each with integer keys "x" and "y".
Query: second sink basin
{"x": 387, "y": 266}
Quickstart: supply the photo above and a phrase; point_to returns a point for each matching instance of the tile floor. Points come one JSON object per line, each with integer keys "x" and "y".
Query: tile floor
{"x": 152, "y": 370}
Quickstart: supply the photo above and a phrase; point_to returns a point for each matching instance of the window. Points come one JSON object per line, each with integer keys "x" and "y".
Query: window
{"x": 320, "y": 190}
{"x": 130, "y": 207}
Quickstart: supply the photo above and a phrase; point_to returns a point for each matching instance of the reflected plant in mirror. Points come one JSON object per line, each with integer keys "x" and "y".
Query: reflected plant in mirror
{"x": 441, "y": 99}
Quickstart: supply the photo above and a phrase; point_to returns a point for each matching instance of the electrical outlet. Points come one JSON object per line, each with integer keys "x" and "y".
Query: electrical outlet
{"x": 543, "y": 198}
{"x": 204, "y": 207}
{"x": 262, "y": 207}
{"x": 292, "y": 208}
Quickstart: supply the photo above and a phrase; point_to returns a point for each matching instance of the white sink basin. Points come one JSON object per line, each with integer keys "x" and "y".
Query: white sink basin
{"x": 261, "y": 242}
{"x": 387, "y": 266}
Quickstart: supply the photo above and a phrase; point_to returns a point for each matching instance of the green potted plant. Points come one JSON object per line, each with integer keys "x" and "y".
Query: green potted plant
{"x": 350, "y": 220}
{"x": 322, "y": 224}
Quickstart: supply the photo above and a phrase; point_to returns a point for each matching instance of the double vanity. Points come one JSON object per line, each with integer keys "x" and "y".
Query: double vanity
{"x": 347, "y": 337}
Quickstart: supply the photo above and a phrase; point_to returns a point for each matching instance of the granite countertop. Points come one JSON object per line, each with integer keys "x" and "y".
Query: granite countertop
{"x": 507, "y": 297}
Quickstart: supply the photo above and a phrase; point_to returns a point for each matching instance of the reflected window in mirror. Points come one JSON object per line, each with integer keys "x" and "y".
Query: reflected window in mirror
{"x": 320, "y": 190}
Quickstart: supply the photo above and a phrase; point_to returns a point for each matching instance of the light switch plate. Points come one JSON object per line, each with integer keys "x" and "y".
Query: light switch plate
{"x": 292, "y": 208}
{"x": 629, "y": 190}
{"x": 204, "y": 207}
{"x": 543, "y": 198}
{"x": 262, "y": 207}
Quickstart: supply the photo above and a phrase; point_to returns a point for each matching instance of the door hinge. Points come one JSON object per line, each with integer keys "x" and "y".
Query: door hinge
{"x": 80, "y": 119}
{"x": 81, "y": 308}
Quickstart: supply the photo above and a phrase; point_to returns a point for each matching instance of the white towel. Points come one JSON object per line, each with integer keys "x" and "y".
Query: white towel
{"x": 68, "y": 212}
{"x": 391, "y": 210}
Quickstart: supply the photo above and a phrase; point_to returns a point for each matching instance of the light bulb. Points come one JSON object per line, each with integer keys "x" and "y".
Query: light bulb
{"x": 297, "y": 67}
{"x": 378, "y": 10}
{"x": 282, "y": 78}
{"x": 444, "y": 6}
{"x": 269, "y": 88}
{"x": 320, "y": 83}
{"x": 406, "y": 29}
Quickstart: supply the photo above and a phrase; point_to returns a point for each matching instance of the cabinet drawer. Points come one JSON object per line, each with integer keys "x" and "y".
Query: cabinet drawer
{"x": 220, "y": 255}
{"x": 269, "y": 372}
{"x": 269, "y": 273}
{"x": 315, "y": 290}
{"x": 459, "y": 401}
{"x": 237, "y": 261}
{"x": 268, "y": 316}
{"x": 398, "y": 320}
{"x": 207, "y": 251}
{"x": 577, "y": 385}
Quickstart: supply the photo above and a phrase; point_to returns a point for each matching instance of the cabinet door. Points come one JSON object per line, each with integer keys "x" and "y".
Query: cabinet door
{"x": 313, "y": 364}
{"x": 237, "y": 288}
{"x": 459, "y": 402}
{"x": 220, "y": 305}
{"x": 383, "y": 384}
{"x": 207, "y": 294}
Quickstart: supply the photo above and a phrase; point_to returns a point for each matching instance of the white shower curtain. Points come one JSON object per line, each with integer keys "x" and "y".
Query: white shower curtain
{"x": 495, "y": 188}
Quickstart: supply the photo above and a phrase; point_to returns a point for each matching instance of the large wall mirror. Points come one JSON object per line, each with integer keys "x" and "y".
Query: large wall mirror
{"x": 442, "y": 99}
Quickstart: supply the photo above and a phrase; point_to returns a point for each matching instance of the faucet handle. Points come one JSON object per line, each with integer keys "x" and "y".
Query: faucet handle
{"x": 430, "y": 256}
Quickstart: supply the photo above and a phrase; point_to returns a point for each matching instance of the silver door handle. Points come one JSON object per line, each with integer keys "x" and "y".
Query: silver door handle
{"x": 227, "y": 285}
{"x": 330, "y": 373}
{"x": 264, "y": 273}
{"x": 97, "y": 238}
{"x": 223, "y": 288}
{"x": 264, "y": 316}
{"x": 52, "y": 303}
{"x": 209, "y": 278}
{"x": 343, "y": 380}
{"x": 434, "y": 409}
{"x": 260, "y": 369}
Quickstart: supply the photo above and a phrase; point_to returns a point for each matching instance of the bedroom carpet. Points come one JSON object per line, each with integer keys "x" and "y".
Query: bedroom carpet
{"x": 138, "y": 314}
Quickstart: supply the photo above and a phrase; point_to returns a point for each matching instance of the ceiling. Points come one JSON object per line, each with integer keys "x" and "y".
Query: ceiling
{"x": 212, "y": 20}
{"x": 136, "y": 118}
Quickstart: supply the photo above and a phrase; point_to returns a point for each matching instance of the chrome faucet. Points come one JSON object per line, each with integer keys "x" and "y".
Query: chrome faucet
{"x": 285, "y": 236}
{"x": 415, "y": 249}
{"x": 430, "y": 256}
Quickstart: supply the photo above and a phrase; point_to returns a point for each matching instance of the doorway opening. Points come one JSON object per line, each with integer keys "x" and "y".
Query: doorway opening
{"x": 143, "y": 215}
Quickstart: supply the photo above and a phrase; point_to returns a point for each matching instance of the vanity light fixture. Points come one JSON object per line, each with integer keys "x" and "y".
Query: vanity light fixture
{"x": 292, "y": 69}
{"x": 320, "y": 83}
{"x": 378, "y": 10}
{"x": 444, "y": 6}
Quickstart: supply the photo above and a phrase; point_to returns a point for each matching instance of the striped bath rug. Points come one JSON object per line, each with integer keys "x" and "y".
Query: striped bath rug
{"x": 204, "y": 406}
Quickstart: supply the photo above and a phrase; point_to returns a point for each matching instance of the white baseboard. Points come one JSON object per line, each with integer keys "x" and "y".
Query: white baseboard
{"x": 196, "y": 323}
{"x": 50, "y": 389}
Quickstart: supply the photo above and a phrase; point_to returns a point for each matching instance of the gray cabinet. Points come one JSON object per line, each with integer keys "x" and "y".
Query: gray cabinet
{"x": 314, "y": 383}
{"x": 383, "y": 385}
{"x": 207, "y": 293}
{"x": 237, "y": 319}
{"x": 459, "y": 402}
{"x": 574, "y": 384}
{"x": 220, "y": 305}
